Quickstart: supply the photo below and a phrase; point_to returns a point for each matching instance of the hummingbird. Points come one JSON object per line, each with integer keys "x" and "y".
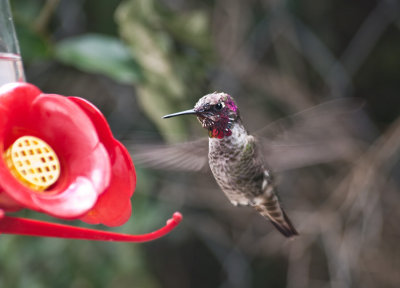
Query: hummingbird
{"x": 236, "y": 160}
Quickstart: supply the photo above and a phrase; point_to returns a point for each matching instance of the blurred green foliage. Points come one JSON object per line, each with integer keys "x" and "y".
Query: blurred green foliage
{"x": 43, "y": 262}
{"x": 161, "y": 41}
{"x": 95, "y": 53}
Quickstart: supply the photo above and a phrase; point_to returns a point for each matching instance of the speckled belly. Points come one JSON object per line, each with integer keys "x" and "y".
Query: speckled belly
{"x": 238, "y": 177}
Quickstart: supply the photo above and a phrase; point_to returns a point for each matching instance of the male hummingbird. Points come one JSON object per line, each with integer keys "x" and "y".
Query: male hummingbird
{"x": 236, "y": 160}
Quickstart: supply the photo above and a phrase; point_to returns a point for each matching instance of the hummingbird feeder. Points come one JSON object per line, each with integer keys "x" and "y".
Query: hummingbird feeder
{"x": 60, "y": 158}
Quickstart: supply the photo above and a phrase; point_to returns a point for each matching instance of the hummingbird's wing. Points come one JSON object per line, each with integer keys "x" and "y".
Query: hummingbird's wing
{"x": 187, "y": 156}
{"x": 320, "y": 134}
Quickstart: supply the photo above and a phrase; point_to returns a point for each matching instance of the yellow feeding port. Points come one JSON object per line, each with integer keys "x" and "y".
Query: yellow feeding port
{"x": 33, "y": 162}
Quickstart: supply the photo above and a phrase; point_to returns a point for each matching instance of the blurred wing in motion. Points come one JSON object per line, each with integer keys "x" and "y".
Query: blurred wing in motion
{"x": 322, "y": 115}
{"x": 320, "y": 134}
{"x": 187, "y": 156}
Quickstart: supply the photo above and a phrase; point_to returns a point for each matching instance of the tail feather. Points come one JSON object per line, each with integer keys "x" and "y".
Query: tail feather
{"x": 270, "y": 208}
{"x": 286, "y": 227}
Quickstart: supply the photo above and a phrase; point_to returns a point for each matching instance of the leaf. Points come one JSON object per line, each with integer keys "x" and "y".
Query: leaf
{"x": 101, "y": 54}
{"x": 33, "y": 46}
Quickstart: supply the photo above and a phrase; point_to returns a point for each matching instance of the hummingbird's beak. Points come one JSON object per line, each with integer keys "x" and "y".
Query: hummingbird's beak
{"x": 186, "y": 112}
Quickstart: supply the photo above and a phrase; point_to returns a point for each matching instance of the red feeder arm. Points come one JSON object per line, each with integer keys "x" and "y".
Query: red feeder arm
{"x": 29, "y": 227}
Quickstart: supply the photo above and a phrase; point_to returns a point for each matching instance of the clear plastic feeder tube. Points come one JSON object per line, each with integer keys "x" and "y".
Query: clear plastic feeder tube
{"x": 11, "y": 69}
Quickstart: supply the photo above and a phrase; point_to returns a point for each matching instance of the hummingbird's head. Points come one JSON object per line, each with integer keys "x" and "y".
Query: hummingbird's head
{"x": 216, "y": 112}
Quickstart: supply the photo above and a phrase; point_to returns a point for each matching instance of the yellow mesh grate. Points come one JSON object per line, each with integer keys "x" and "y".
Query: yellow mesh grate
{"x": 33, "y": 162}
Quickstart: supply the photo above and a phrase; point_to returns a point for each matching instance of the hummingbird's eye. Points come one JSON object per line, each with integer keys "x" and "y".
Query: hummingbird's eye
{"x": 218, "y": 106}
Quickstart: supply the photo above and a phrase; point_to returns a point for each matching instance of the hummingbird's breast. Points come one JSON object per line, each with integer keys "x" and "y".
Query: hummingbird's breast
{"x": 236, "y": 165}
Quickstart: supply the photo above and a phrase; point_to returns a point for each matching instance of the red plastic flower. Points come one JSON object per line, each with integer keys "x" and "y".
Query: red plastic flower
{"x": 97, "y": 176}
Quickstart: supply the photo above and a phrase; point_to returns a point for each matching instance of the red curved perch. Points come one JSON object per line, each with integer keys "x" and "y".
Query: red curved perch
{"x": 29, "y": 227}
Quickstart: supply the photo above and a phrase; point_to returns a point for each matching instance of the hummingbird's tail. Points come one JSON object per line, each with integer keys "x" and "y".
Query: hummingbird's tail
{"x": 286, "y": 227}
{"x": 269, "y": 207}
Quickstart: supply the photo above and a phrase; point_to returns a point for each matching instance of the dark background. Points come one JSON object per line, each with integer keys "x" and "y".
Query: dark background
{"x": 140, "y": 59}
